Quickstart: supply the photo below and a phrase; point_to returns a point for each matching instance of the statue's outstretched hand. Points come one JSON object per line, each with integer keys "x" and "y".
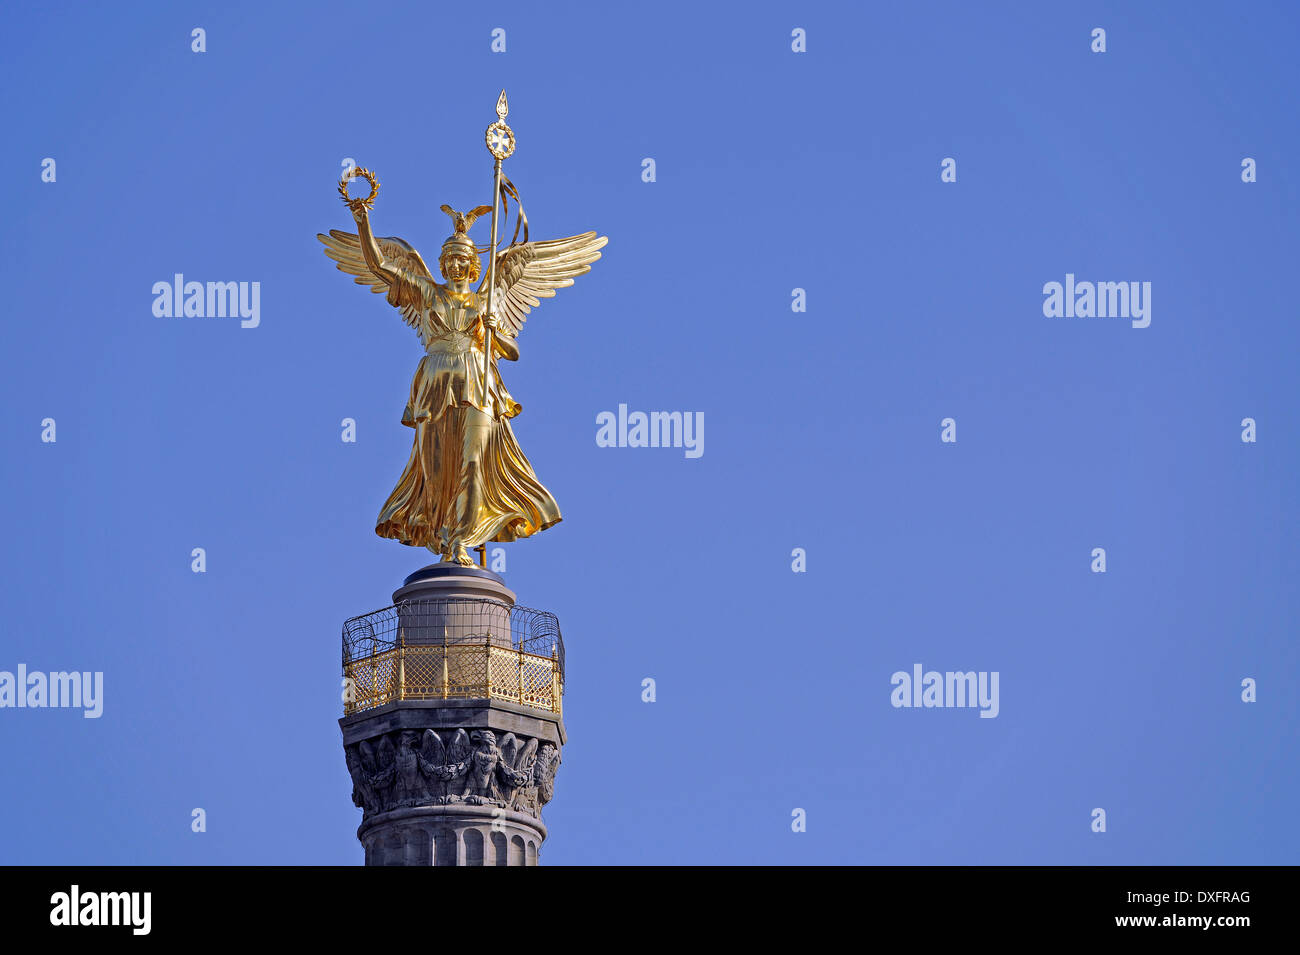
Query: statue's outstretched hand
{"x": 359, "y": 205}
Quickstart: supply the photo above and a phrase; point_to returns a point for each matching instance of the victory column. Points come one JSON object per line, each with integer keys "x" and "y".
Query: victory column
{"x": 452, "y": 724}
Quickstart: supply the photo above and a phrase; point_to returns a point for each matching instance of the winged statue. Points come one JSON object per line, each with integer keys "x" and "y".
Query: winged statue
{"x": 467, "y": 482}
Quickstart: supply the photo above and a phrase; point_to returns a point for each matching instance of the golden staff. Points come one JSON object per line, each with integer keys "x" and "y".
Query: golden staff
{"x": 500, "y": 143}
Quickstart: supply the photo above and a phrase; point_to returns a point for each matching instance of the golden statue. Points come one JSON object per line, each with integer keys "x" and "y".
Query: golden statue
{"x": 467, "y": 482}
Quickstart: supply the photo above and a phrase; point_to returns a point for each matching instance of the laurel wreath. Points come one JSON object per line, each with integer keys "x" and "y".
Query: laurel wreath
{"x": 369, "y": 201}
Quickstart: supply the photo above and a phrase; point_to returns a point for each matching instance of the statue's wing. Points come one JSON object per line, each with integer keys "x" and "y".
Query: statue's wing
{"x": 510, "y": 747}
{"x": 369, "y": 761}
{"x": 532, "y": 271}
{"x": 385, "y": 755}
{"x": 431, "y": 748}
{"x": 527, "y": 757}
{"x": 345, "y": 249}
{"x": 544, "y": 775}
{"x": 468, "y": 218}
{"x": 474, "y": 213}
{"x": 460, "y": 748}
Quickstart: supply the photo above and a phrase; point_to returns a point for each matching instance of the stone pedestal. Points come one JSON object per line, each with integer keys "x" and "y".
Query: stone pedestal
{"x": 454, "y": 604}
{"x": 452, "y": 769}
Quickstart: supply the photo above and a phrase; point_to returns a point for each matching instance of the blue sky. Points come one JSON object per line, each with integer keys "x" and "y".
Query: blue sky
{"x": 775, "y": 170}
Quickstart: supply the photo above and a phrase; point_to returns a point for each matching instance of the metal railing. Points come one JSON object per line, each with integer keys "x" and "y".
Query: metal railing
{"x": 453, "y": 649}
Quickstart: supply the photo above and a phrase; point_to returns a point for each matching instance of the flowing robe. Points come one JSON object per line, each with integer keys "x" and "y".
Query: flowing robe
{"x": 467, "y": 481}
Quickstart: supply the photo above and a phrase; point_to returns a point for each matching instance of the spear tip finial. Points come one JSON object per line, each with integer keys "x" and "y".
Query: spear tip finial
{"x": 503, "y": 108}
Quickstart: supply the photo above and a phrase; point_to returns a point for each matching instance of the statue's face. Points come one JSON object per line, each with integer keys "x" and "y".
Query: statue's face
{"x": 456, "y": 267}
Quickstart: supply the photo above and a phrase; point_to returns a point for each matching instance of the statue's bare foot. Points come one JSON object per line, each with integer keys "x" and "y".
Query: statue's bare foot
{"x": 459, "y": 555}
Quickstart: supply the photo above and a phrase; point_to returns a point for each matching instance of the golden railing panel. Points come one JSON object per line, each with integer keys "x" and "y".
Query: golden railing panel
{"x": 453, "y": 672}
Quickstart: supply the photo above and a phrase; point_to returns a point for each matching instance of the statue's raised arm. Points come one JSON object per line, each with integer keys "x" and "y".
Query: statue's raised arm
{"x": 386, "y": 264}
